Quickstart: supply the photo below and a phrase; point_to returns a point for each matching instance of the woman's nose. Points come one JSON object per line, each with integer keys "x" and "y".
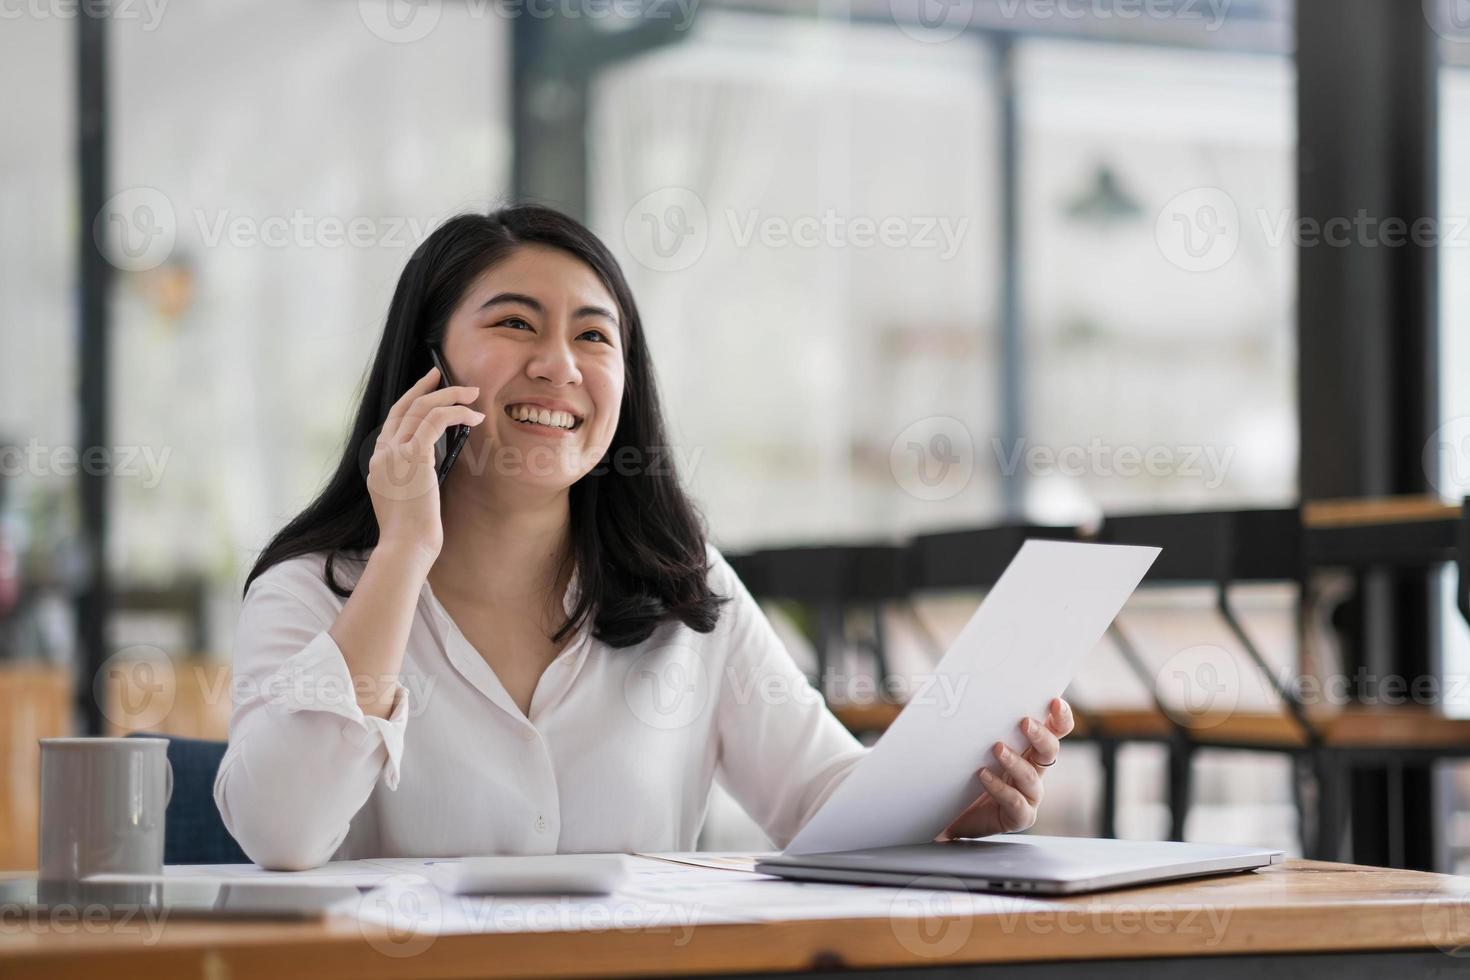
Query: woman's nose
{"x": 553, "y": 361}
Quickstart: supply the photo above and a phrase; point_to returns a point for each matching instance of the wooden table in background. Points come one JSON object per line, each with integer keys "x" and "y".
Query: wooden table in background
{"x": 1365, "y": 511}
{"x": 35, "y": 703}
{"x": 1299, "y": 918}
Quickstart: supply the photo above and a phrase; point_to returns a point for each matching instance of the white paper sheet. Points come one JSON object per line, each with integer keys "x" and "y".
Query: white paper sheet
{"x": 663, "y": 895}
{"x": 714, "y": 881}
{"x": 655, "y": 899}
{"x": 724, "y": 860}
{"x": 1020, "y": 649}
{"x": 361, "y": 874}
{"x": 409, "y": 910}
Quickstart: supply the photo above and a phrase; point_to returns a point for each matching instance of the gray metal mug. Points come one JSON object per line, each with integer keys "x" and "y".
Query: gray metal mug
{"x": 102, "y": 806}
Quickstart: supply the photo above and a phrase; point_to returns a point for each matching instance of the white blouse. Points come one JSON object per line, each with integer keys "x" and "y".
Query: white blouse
{"x": 617, "y": 754}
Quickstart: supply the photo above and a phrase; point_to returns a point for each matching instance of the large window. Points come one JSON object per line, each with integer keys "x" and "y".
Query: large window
{"x": 809, "y": 217}
{"x": 751, "y": 177}
{"x": 1450, "y": 445}
{"x": 824, "y": 383}
{"x": 38, "y": 414}
{"x": 244, "y": 324}
{"x": 1157, "y": 305}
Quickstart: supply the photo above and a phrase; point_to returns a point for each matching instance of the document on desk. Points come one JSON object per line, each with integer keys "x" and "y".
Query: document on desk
{"x": 727, "y": 861}
{"x": 367, "y": 873}
{"x": 722, "y": 880}
{"x": 664, "y": 894}
{"x": 650, "y": 902}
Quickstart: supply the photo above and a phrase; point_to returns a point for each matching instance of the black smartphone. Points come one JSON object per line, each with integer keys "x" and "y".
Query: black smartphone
{"x": 454, "y": 436}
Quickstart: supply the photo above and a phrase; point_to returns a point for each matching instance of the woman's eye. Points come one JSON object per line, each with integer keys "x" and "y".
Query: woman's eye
{"x": 597, "y": 334}
{"x": 515, "y": 322}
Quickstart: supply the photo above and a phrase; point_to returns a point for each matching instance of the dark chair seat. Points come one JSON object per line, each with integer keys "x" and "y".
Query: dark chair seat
{"x": 194, "y": 832}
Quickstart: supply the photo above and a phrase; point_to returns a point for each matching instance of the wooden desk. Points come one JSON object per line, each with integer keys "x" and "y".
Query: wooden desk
{"x": 1303, "y": 918}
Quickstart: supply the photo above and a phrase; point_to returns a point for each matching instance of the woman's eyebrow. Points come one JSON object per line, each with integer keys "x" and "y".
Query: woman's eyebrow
{"x": 535, "y": 304}
{"x": 520, "y": 298}
{"x": 596, "y": 311}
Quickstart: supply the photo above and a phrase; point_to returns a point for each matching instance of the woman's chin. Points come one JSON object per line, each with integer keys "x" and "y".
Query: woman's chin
{"x": 545, "y": 483}
{"x": 540, "y": 468}
{"x": 533, "y": 462}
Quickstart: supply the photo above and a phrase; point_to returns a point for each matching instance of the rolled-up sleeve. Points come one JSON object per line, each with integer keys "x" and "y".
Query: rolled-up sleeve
{"x": 303, "y": 758}
{"x": 782, "y": 752}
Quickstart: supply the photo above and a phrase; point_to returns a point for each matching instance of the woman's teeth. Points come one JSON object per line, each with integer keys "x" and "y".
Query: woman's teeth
{"x": 542, "y": 416}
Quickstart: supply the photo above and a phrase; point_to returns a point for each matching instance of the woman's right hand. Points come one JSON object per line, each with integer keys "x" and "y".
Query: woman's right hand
{"x": 401, "y": 477}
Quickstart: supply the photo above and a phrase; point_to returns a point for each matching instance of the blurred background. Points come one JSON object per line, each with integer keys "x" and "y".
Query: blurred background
{"x": 921, "y": 278}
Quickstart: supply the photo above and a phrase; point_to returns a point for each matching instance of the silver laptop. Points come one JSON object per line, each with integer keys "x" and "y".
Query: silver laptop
{"x": 1021, "y": 648}
{"x": 1021, "y": 863}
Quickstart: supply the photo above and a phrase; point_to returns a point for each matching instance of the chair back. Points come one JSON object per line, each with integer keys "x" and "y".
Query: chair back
{"x": 194, "y": 832}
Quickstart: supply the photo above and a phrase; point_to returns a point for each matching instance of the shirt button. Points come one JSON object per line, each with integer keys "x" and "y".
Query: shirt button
{"x": 541, "y": 824}
{"x": 527, "y": 735}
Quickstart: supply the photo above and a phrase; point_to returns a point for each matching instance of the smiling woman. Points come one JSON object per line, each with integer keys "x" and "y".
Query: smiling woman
{"x": 531, "y": 309}
{"x": 582, "y": 663}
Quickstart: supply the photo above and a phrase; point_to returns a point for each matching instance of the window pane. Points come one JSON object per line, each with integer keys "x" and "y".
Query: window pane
{"x": 284, "y": 223}
{"x": 1158, "y": 297}
{"x": 1450, "y": 446}
{"x": 38, "y": 417}
{"x": 835, "y": 298}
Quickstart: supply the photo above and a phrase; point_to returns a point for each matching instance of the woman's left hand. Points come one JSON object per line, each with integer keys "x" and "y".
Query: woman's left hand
{"x": 1013, "y": 793}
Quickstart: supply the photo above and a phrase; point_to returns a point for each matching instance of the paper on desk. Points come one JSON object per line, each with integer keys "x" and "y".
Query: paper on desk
{"x": 765, "y": 898}
{"x": 729, "y": 860}
{"x": 367, "y": 873}
{"x": 410, "y": 908}
{"x": 774, "y": 900}
{"x": 768, "y": 897}
{"x": 664, "y": 895}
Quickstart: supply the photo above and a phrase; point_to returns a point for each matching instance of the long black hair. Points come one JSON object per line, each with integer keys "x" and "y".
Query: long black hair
{"x": 637, "y": 540}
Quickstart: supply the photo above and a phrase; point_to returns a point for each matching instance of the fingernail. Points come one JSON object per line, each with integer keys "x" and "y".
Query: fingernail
{"x": 985, "y": 775}
{"x": 1028, "y": 726}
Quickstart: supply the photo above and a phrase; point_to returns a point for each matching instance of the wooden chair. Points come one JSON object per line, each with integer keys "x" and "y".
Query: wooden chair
{"x": 1325, "y": 741}
{"x": 830, "y": 583}
{"x": 1215, "y": 549}
{"x": 194, "y": 831}
{"x": 1406, "y": 533}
